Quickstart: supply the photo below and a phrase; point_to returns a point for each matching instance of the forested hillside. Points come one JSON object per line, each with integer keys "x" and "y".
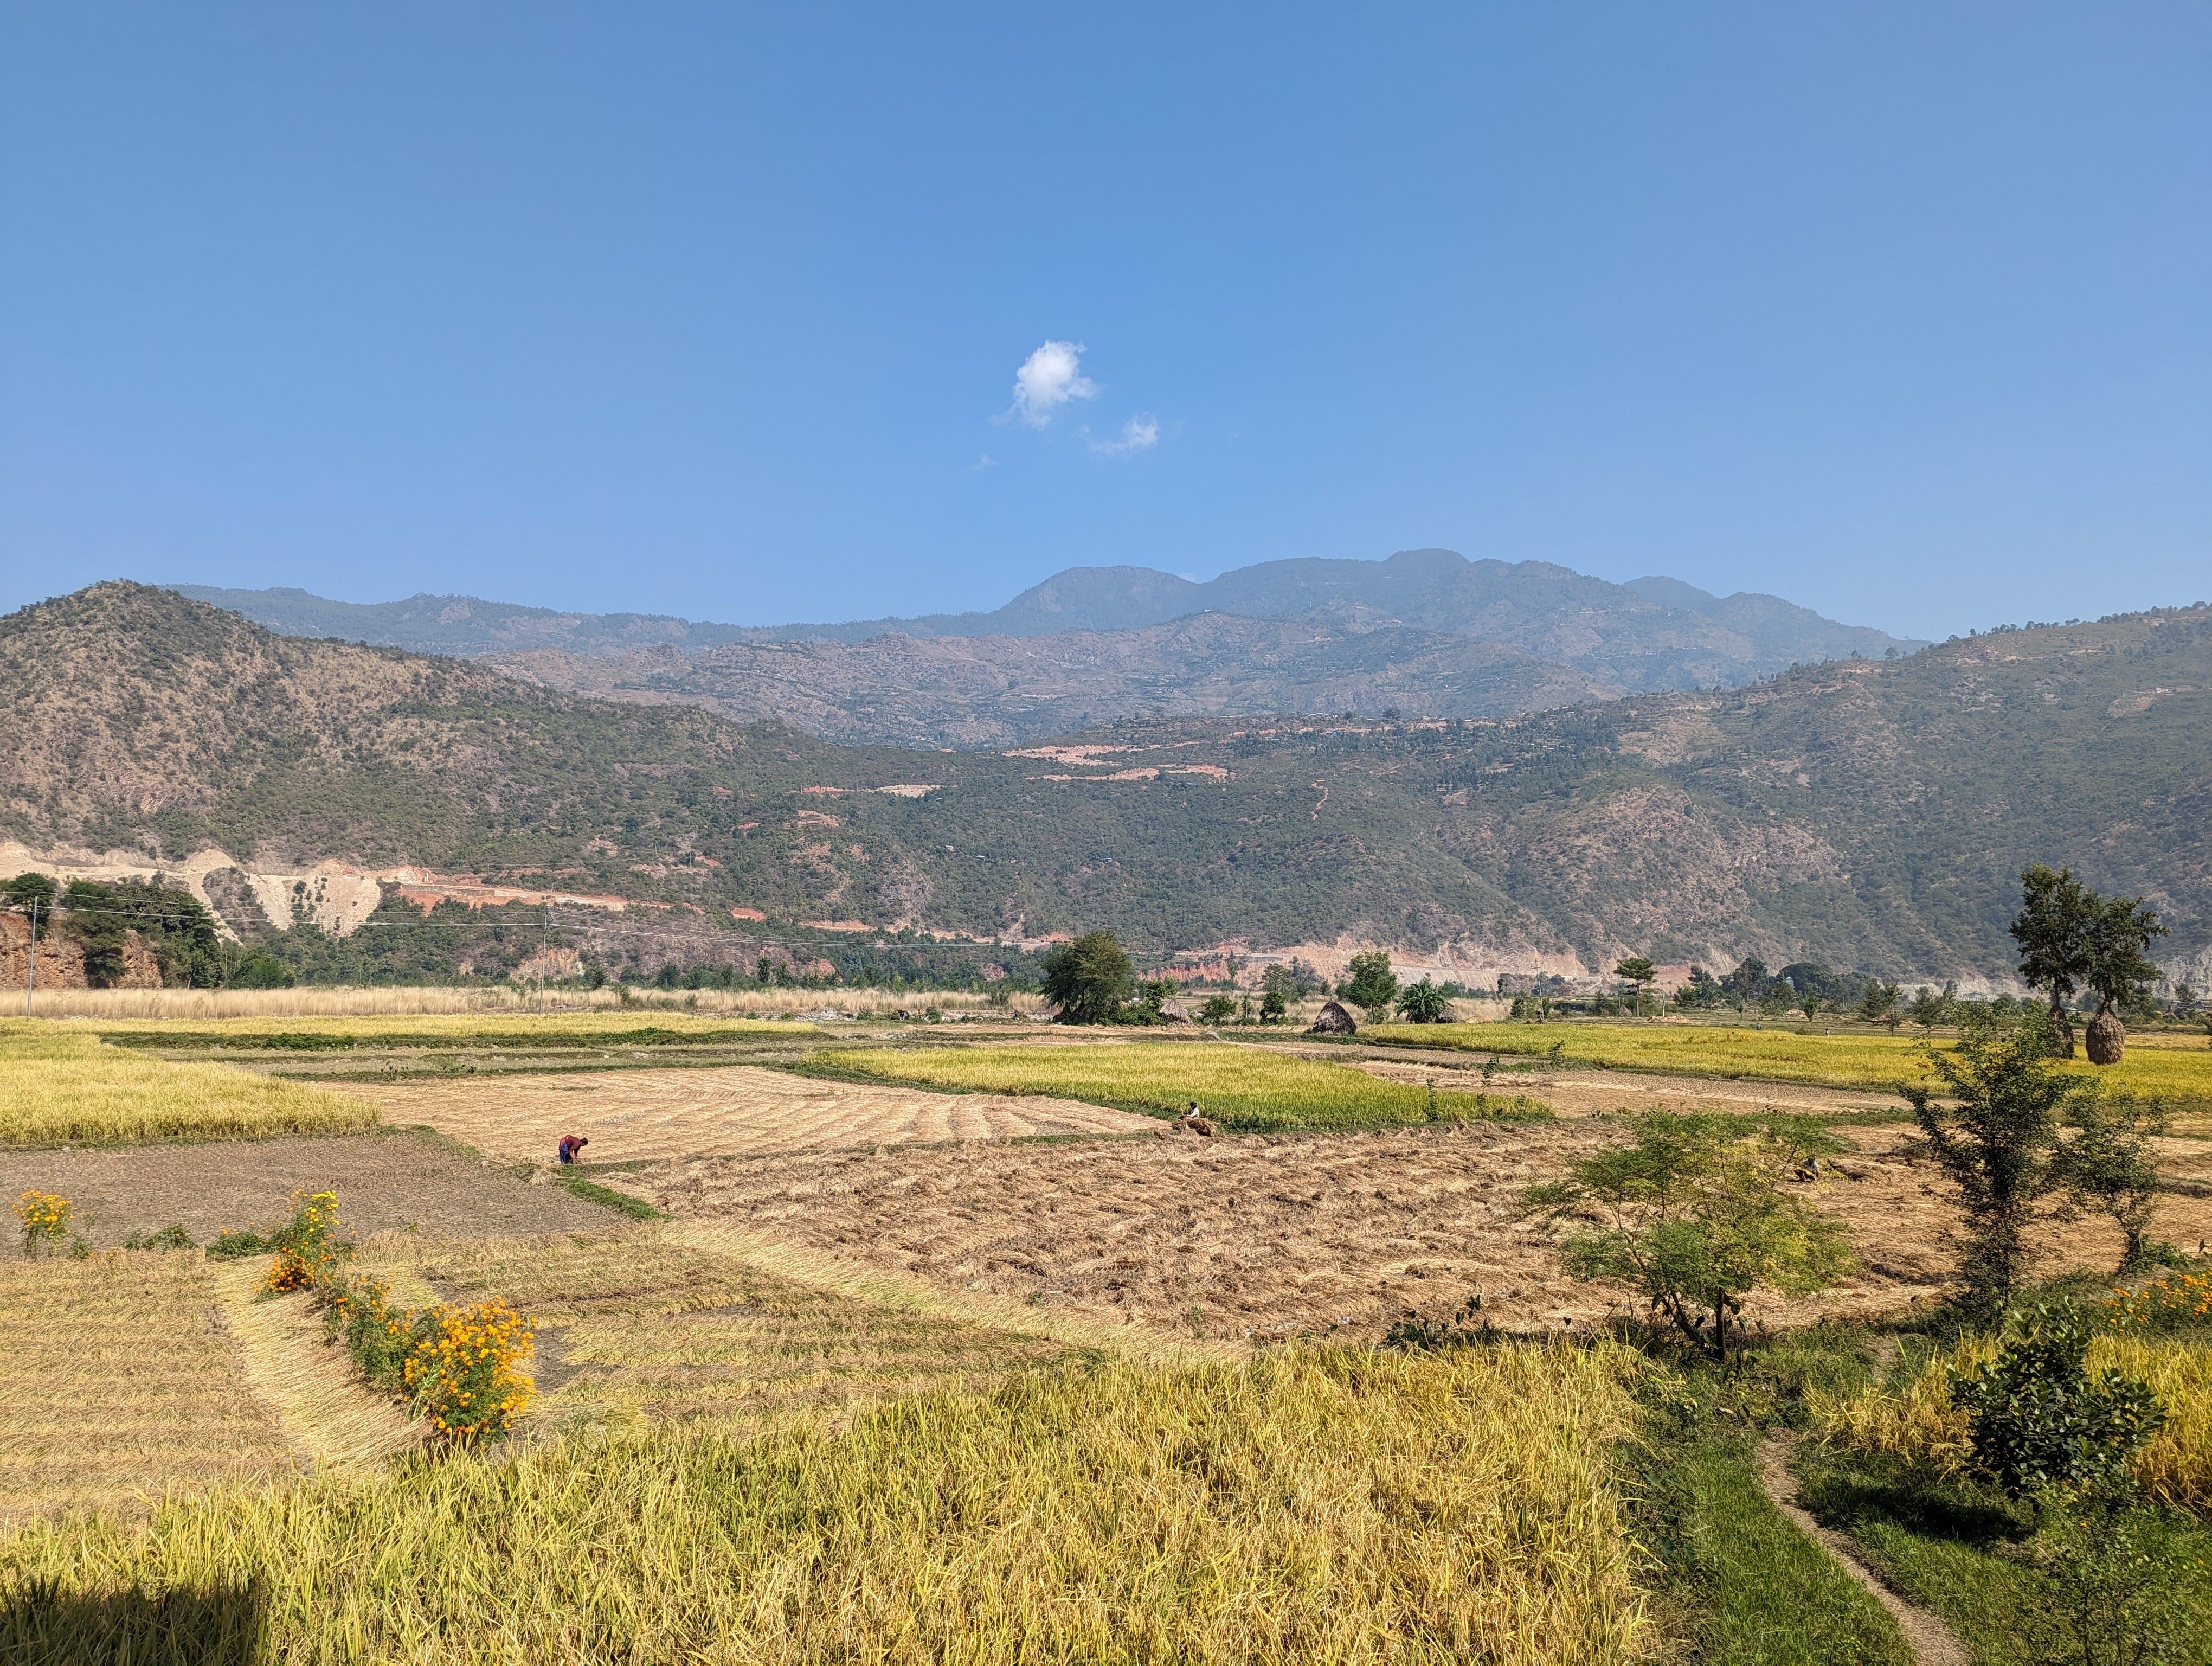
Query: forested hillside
{"x": 1870, "y": 814}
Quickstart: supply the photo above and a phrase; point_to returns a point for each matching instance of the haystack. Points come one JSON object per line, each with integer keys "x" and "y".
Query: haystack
{"x": 1334, "y": 1020}
{"x": 2107, "y": 1040}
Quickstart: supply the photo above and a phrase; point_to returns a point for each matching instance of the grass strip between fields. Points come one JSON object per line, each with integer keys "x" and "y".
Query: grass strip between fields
{"x": 1247, "y": 1089}
{"x": 606, "y": 1197}
{"x": 66, "y": 1087}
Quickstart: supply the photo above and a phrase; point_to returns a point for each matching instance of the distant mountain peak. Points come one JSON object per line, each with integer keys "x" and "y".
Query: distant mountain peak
{"x": 1425, "y": 631}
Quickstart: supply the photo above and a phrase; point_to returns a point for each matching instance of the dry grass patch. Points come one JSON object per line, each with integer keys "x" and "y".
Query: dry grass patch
{"x": 1310, "y": 1507}
{"x": 1246, "y": 1088}
{"x": 121, "y": 1383}
{"x": 60, "y": 1087}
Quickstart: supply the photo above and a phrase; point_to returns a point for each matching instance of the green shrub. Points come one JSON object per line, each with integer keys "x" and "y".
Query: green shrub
{"x": 2040, "y": 1419}
{"x": 169, "y": 1237}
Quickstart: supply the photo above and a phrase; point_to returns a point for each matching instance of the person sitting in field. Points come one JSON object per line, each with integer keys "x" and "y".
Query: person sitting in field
{"x": 571, "y": 1144}
{"x": 1194, "y": 1121}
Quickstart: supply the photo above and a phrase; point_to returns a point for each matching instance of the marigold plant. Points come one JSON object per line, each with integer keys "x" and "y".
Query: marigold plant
{"x": 462, "y": 1374}
{"x": 380, "y": 1337}
{"x": 307, "y": 1246}
{"x": 2176, "y": 1299}
{"x": 45, "y": 1219}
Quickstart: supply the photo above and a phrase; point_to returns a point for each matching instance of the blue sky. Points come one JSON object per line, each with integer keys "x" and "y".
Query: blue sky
{"x": 1902, "y": 311}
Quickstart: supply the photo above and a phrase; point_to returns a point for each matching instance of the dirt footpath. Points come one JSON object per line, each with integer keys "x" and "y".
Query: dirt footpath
{"x": 385, "y": 1183}
{"x": 630, "y": 1115}
{"x": 1268, "y": 1237}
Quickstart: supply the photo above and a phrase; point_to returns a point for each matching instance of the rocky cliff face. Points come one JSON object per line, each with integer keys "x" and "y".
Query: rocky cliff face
{"x": 61, "y": 956}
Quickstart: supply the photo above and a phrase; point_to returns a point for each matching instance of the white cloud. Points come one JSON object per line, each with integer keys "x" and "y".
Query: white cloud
{"x": 985, "y": 461}
{"x": 1140, "y": 433}
{"x": 1047, "y": 380}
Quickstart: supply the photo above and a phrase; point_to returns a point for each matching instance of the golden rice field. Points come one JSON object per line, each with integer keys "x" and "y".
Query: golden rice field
{"x": 1309, "y": 1507}
{"x": 1246, "y": 1088}
{"x": 2177, "y": 1067}
{"x": 107, "y": 1006}
{"x": 1918, "y": 1422}
{"x": 458, "y": 1027}
{"x": 62, "y": 1087}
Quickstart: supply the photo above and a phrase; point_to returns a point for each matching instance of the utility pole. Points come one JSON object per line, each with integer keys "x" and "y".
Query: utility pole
{"x": 544, "y": 948}
{"x": 31, "y": 982}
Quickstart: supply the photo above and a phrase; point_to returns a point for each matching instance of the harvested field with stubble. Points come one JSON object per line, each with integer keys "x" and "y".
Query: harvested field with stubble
{"x": 1254, "y": 1090}
{"x": 634, "y": 1115}
{"x": 1571, "y": 1092}
{"x": 2174, "y": 1066}
{"x": 1264, "y": 1238}
{"x": 638, "y": 1327}
{"x": 121, "y": 1382}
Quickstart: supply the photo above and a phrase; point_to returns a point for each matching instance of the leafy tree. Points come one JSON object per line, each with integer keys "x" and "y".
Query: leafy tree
{"x": 1703, "y": 990}
{"x": 1087, "y": 980}
{"x": 1152, "y": 996}
{"x": 2056, "y": 912}
{"x": 1810, "y": 1005}
{"x": 1748, "y": 982}
{"x": 1995, "y": 1144}
{"x": 1638, "y": 971}
{"x": 1424, "y": 1003}
{"x": 2116, "y": 968}
{"x": 257, "y": 969}
{"x": 1878, "y": 1004}
{"x": 26, "y": 889}
{"x": 2184, "y": 1002}
{"x": 1693, "y": 1215}
{"x": 1930, "y": 1007}
{"x": 2110, "y": 1166}
{"x": 1370, "y": 984}
{"x": 1280, "y": 985}
{"x": 1218, "y": 1009}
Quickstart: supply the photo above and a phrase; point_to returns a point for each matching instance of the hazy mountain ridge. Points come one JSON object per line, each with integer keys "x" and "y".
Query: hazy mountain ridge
{"x": 1868, "y": 815}
{"x": 1425, "y": 631}
{"x": 973, "y": 692}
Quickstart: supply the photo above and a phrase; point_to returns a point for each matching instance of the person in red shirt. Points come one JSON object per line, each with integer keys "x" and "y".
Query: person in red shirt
{"x": 571, "y": 1144}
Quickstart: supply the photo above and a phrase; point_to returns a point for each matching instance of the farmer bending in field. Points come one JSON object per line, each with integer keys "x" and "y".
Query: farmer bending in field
{"x": 570, "y": 1145}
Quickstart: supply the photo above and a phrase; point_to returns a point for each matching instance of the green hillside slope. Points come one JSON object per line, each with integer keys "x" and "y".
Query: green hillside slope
{"x": 1868, "y": 814}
